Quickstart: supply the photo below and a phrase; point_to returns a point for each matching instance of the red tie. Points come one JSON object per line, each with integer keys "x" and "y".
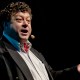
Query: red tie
{"x": 26, "y": 47}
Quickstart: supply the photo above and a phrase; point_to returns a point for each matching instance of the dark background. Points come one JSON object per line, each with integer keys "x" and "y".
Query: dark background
{"x": 55, "y": 25}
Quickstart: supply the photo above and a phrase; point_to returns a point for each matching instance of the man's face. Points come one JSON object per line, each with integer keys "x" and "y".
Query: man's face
{"x": 21, "y": 23}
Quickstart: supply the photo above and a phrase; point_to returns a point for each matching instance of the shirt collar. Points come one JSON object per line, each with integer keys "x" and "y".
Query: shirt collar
{"x": 15, "y": 43}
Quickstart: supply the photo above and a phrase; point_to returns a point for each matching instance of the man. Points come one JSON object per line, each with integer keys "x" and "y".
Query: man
{"x": 18, "y": 60}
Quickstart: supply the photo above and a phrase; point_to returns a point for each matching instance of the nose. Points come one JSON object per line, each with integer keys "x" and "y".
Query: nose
{"x": 25, "y": 24}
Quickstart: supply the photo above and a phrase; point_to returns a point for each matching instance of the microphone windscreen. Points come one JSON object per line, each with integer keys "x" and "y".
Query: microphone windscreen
{"x": 32, "y": 36}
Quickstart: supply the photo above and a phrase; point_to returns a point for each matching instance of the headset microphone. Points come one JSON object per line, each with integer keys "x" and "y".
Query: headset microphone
{"x": 32, "y": 36}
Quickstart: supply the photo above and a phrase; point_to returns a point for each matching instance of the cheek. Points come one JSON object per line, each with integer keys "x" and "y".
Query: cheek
{"x": 16, "y": 27}
{"x": 30, "y": 27}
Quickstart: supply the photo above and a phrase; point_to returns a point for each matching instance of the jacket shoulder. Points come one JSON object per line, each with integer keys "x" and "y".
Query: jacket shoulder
{"x": 2, "y": 48}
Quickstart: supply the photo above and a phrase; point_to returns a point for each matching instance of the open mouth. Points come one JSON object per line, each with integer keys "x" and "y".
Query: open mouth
{"x": 24, "y": 31}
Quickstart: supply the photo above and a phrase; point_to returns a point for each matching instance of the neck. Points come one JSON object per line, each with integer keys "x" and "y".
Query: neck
{"x": 23, "y": 41}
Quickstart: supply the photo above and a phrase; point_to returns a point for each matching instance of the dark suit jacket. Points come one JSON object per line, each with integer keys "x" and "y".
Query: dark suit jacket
{"x": 13, "y": 67}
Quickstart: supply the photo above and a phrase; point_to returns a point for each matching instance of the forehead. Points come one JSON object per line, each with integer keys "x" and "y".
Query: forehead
{"x": 21, "y": 14}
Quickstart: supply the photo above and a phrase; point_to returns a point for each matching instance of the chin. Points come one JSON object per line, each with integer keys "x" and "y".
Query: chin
{"x": 24, "y": 37}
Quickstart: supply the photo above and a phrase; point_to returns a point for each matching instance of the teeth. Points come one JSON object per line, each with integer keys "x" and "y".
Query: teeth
{"x": 24, "y": 31}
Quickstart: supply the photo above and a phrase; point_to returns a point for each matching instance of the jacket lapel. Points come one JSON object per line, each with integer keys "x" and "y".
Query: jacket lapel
{"x": 40, "y": 56}
{"x": 19, "y": 61}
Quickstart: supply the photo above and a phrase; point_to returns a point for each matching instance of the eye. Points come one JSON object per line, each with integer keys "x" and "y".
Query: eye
{"x": 19, "y": 19}
{"x": 29, "y": 21}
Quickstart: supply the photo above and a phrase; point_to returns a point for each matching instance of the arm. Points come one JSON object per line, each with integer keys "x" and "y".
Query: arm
{"x": 68, "y": 73}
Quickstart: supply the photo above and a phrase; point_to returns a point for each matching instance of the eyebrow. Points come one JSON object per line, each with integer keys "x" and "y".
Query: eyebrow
{"x": 22, "y": 16}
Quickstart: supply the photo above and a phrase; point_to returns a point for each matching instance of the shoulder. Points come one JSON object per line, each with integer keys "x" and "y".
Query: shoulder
{"x": 39, "y": 55}
{"x": 2, "y": 48}
{"x": 1, "y": 53}
{"x": 36, "y": 52}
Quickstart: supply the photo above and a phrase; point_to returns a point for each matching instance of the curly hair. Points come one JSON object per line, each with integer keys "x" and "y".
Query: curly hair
{"x": 14, "y": 7}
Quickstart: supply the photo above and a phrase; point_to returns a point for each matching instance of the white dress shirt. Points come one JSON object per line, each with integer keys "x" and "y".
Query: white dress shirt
{"x": 36, "y": 67}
